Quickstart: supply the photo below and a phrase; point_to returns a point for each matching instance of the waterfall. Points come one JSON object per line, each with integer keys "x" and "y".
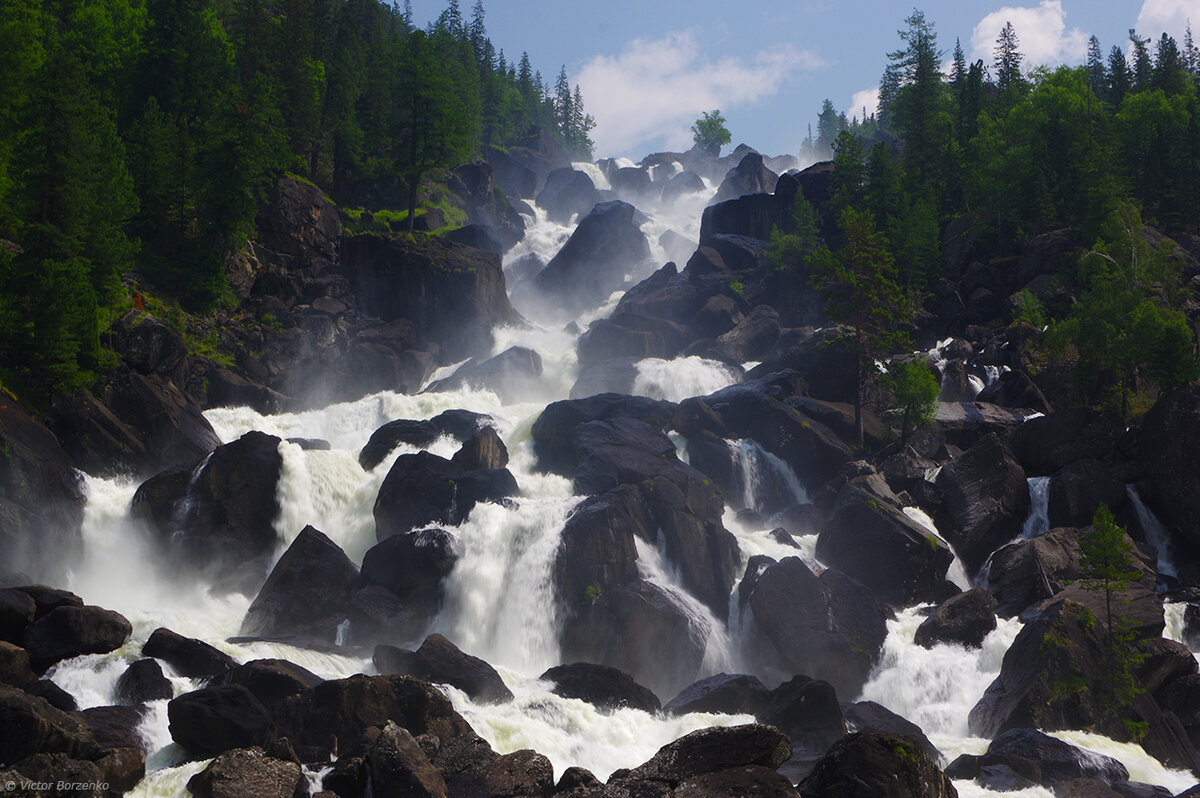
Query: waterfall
{"x": 957, "y": 572}
{"x": 1156, "y": 534}
{"x": 676, "y": 380}
{"x": 766, "y": 484}
{"x": 1038, "y": 521}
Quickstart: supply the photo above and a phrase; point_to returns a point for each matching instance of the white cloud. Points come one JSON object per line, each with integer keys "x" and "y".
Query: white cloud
{"x": 656, "y": 89}
{"x": 1170, "y": 16}
{"x": 868, "y": 99}
{"x": 1042, "y": 32}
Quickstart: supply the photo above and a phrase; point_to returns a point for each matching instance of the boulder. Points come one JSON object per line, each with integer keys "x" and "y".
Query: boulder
{"x": 596, "y": 550}
{"x": 630, "y": 335}
{"x": 807, "y": 711}
{"x": 1058, "y": 761}
{"x": 965, "y": 620}
{"x": 631, "y": 183}
{"x": 14, "y": 665}
{"x": 460, "y": 424}
{"x": 962, "y": 424}
{"x": 872, "y": 764}
{"x": 188, "y": 657}
{"x": 422, "y": 489}
{"x": 686, "y": 182}
{"x": 484, "y": 450}
{"x": 666, "y": 294}
{"x": 985, "y": 500}
{"x": 829, "y": 626}
{"x": 607, "y": 245}
{"x": 143, "y": 681}
{"x": 246, "y": 773}
{"x": 711, "y": 751}
{"x": 477, "y": 236}
{"x": 301, "y": 223}
{"x": 614, "y": 375}
{"x": 155, "y": 500}
{"x": 30, "y": 725}
{"x": 439, "y": 660}
{"x": 72, "y": 631}
{"x": 1077, "y": 491}
{"x": 306, "y": 596}
{"x": 115, "y": 727}
{"x": 1015, "y": 389}
{"x": 412, "y": 566}
{"x": 554, "y": 430}
{"x": 1028, "y": 571}
{"x": 1045, "y": 445}
{"x": 399, "y": 767}
{"x": 17, "y": 611}
{"x": 94, "y": 438}
{"x": 639, "y": 628}
{"x": 869, "y": 716}
{"x": 514, "y": 375}
{"x": 567, "y": 193}
{"x": 750, "y": 176}
{"x": 604, "y": 687}
{"x": 215, "y": 719}
{"x": 41, "y": 497}
{"x": 227, "y": 526}
{"x": 752, "y": 337}
{"x": 724, "y": 693}
{"x": 167, "y": 422}
{"x": 868, "y": 537}
{"x": 272, "y": 680}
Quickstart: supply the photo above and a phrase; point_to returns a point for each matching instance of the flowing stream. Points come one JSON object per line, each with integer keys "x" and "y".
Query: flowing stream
{"x": 500, "y": 598}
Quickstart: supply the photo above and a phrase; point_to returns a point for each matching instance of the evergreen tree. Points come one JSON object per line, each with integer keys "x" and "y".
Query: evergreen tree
{"x": 1097, "y": 77}
{"x": 958, "y": 73}
{"x": 709, "y": 132}
{"x": 1120, "y": 81}
{"x": 1142, "y": 68}
{"x": 914, "y": 392}
{"x": 1008, "y": 62}
{"x": 1191, "y": 54}
{"x": 1170, "y": 75}
{"x": 829, "y": 125}
{"x": 848, "y": 185}
{"x": 916, "y": 103}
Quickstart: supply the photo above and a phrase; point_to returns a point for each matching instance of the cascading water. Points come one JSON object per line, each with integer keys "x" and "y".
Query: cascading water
{"x": 676, "y": 380}
{"x": 1156, "y": 534}
{"x": 1038, "y": 521}
{"x": 765, "y": 483}
{"x": 957, "y": 573}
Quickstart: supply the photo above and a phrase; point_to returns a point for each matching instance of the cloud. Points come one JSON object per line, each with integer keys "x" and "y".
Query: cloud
{"x": 867, "y": 98}
{"x": 656, "y": 89}
{"x": 1042, "y": 32}
{"x": 1170, "y": 16}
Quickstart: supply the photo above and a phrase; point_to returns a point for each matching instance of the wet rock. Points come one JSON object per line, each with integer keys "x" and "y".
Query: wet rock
{"x": 729, "y": 694}
{"x": 482, "y": 450}
{"x": 422, "y": 489}
{"x": 29, "y": 725}
{"x": 1058, "y": 761}
{"x": 306, "y": 596}
{"x": 553, "y": 431}
{"x": 965, "y": 619}
{"x": 14, "y": 665}
{"x": 1078, "y": 490}
{"x": 115, "y": 727}
{"x": 460, "y": 424}
{"x": 246, "y": 773}
{"x": 869, "y": 538}
{"x": 167, "y": 422}
{"x": 514, "y": 375}
{"x": 686, "y": 182}
{"x": 95, "y": 439}
{"x": 17, "y": 611}
{"x": 155, "y": 500}
{"x": 215, "y": 719}
{"x": 439, "y": 660}
{"x": 737, "y": 782}
{"x": 752, "y": 336}
{"x": 615, "y": 375}
{"x": 187, "y": 656}
{"x": 1171, "y": 463}
{"x": 750, "y": 176}
{"x": 143, "y": 681}
{"x": 567, "y": 193}
{"x": 601, "y": 686}
{"x": 71, "y": 631}
{"x": 399, "y": 767}
{"x": 272, "y": 680}
{"x": 713, "y": 750}
{"x": 875, "y": 765}
{"x": 412, "y": 566}
{"x": 869, "y": 716}
{"x": 1045, "y": 445}
{"x": 628, "y": 335}
{"x": 597, "y": 551}
{"x": 1029, "y": 571}
{"x": 52, "y": 768}
{"x": 807, "y": 711}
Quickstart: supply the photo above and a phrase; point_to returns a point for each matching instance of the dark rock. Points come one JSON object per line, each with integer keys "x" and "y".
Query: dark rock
{"x": 247, "y": 773}
{"x": 143, "y": 681}
{"x": 869, "y": 716}
{"x": 965, "y": 619}
{"x": 454, "y": 294}
{"x": 985, "y": 502}
{"x": 1182, "y": 696}
{"x": 752, "y": 780}
{"x": 752, "y": 336}
{"x": 272, "y": 680}
{"x": 606, "y": 245}
{"x": 301, "y": 223}
{"x": 1030, "y": 571}
{"x": 483, "y": 450}
{"x": 631, "y": 183}
{"x": 151, "y": 347}
{"x": 17, "y": 611}
{"x": 713, "y": 750}
{"x": 630, "y": 335}
{"x": 54, "y": 695}
{"x": 307, "y": 594}
{"x": 554, "y": 431}
{"x": 115, "y": 727}
{"x": 963, "y": 424}
{"x": 868, "y": 537}
{"x": 824, "y": 360}
{"x": 50, "y": 769}
{"x": 168, "y": 422}
{"x": 14, "y": 665}
{"x": 716, "y": 317}
{"x": 1015, "y": 389}
{"x": 41, "y": 497}
{"x": 640, "y": 629}
{"x": 95, "y": 439}
{"x": 47, "y": 599}
{"x": 72, "y": 631}
{"x": 514, "y": 375}
{"x": 439, "y": 660}
{"x": 228, "y": 528}
{"x": 29, "y": 725}
{"x": 392, "y": 434}
{"x": 412, "y": 566}
{"x": 400, "y": 768}
{"x": 615, "y": 375}
{"x": 686, "y": 182}
{"x": 187, "y": 656}
{"x": 1058, "y": 761}
{"x": 475, "y": 235}
{"x": 807, "y": 711}
{"x": 597, "y": 550}
{"x": 1078, "y": 490}
{"x": 155, "y": 500}
{"x": 828, "y": 626}
{"x": 750, "y": 176}
{"x": 1045, "y": 445}
{"x": 875, "y": 765}
{"x": 605, "y": 687}
{"x": 1171, "y": 463}
{"x": 567, "y": 193}
{"x": 215, "y": 719}
{"x": 729, "y": 694}
{"x": 423, "y": 489}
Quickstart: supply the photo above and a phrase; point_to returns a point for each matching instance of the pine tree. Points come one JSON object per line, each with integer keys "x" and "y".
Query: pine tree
{"x": 1097, "y": 77}
{"x": 477, "y": 34}
{"x": 828, "y": 126}
{"x": 1120, "y": 82}
{"x": 958, "y": 74}
{"x": 562, "y": 102}
{"x": 1170, "y": 75}
{"x": 1008, "y": 62}
{"x": 1191, "y": 54}
{"x": 1142, "y": 69}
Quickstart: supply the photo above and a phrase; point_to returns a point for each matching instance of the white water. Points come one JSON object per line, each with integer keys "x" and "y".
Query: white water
{"x": 1156, "y": 534}
{"x": 1038, "y": 521}
{"x": 763, "y": 479}
{"x": 957, "y": 573}
{"x": 679, "y": 379}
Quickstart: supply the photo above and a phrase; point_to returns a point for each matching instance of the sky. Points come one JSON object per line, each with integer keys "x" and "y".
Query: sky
{"x": 648, "y": 68}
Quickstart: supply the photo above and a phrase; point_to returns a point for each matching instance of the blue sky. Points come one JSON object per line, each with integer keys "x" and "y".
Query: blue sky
{"x": 647, "y": 68}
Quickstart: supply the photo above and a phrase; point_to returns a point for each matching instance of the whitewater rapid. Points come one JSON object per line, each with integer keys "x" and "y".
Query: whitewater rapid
{"x": 500, "y": 603}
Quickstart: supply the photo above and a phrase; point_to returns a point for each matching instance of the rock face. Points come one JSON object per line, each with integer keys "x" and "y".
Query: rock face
{"x": 593, "y": 263}
{"x": 41, "y": 497}
{"x": 1171, "y": 463}
{"x": 567, "y": 193}
{"x": 306, "y": 596}
{"x": 1032, "y": 570}
{"x": 604, "y": 687}
{"x": 830, "y": 627}
{"x": 874, "y": 765}
{"x": 246, "y": 772}
{"x": 750, "y": 176}
{"x": 400, "y": 767}
{"x": 423, "y": 489}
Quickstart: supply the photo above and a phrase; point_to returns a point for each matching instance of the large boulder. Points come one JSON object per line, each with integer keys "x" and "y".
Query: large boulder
{"x": 41, "y": 497}
{"x": 1029, "y": 571}
{"x": 306, "y": 596}
{"x": 17, "y": 611}
{"x": 596, "y": 551}
{"x": 965, "y": 620}
{"x": 423, "y": 489}
{"x": 712, "y": 751}
{"x": 246, "y": 773}
{"x": 985, "y": 500}
{"x": 459, "y": 424}
{"x": 1058, "y": 761}
{"x": 685, "y": 182}
{"x": 95, "y": 439}
{"x": 72, "y": 631}
{"x": 228, "y": 522}
{"x": 807, "y": 711}
{"x": 567, "y": 193}
{"x": 272, "y": 680}
{"x": 871, "y": 764}
{"x": 729, "y": 694}
{"x": 143, "y": 681}
{"x": 167, "y": 421}
{"x": 188, "y": 656}
{"x": 1044, "y": 445}
{"x": 554, "y": 430}
{"x": 454, "y": 294}
{"x": 630, "y": 335}
{"x": 215, "y": 719}
{"x": 514, "y": 375}
{"x": 607, "y": 245}
{"x": 301, "y": 224}
{"x": 439, "y": 660}
{"x": 750, "y": 176}
{"x": 868, "y": 715}
{"x": 30, "y": 725}
{"x": 602, "y": 686}
{"x": 412, "y": 566}
{"x": 1171, "y": 463}
{"x": 868, "y": 537}
{"x": 829, "y": 627}
{"x": 399, "y": 766}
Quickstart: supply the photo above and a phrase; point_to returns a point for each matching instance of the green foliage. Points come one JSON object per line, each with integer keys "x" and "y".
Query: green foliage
{"x": 709, "y": 132}
{"x": 914, "y": 392}
{"x": 788, "y": 251}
